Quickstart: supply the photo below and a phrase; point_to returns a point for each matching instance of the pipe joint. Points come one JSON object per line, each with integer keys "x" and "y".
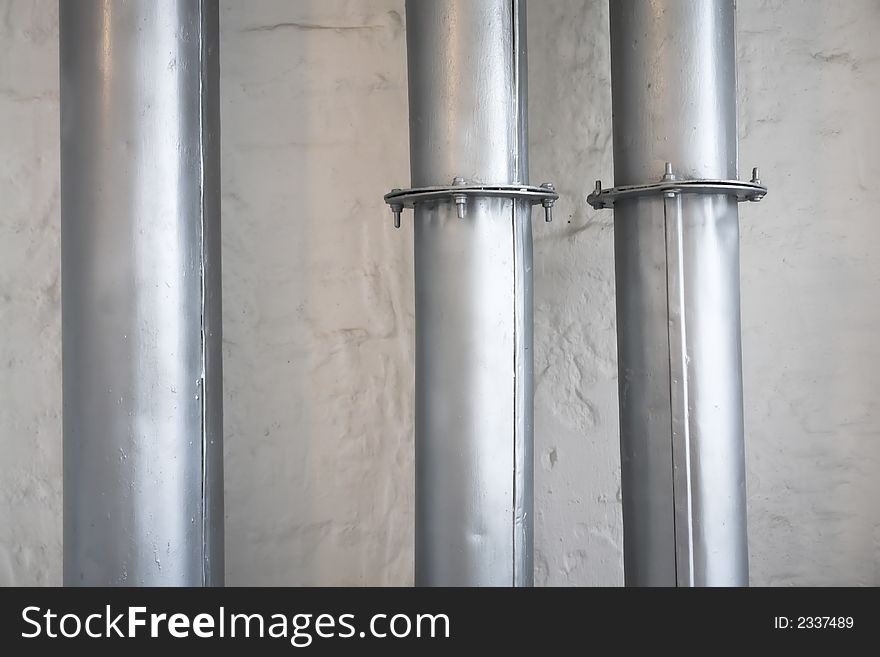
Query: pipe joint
{"x": 460, "y": 192}
{"x": 670, "y": 186}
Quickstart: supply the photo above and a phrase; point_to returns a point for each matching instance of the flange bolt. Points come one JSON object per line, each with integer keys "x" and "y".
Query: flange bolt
{"x": 460, "y": 199}
{"x": 548, "y": 202}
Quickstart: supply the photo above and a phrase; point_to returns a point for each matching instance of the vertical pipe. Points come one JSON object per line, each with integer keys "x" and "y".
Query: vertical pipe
{"x": 677, "y": 269}
{"x": 467, "y": 76}
{"x": 143, "y": 488}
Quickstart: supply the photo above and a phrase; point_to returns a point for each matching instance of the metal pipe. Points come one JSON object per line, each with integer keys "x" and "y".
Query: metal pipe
{"x": 677, "y": 267}
{"x": 473, "y": 289}
{"x": 140, "y": 210}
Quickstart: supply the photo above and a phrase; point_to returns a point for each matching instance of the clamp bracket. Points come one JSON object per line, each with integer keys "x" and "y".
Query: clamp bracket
{"x": 460, "y": 191}
{"x": 669, "y": 186}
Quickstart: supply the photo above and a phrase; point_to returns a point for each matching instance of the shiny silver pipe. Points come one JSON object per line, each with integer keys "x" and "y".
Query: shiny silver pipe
{"x": 140, "y": 219}
{"x": 678, "y": 309}
{"x": 473, "y": 288}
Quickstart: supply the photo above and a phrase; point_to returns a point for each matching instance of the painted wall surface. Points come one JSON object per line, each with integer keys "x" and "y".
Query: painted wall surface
{"x": 318, "y": 297}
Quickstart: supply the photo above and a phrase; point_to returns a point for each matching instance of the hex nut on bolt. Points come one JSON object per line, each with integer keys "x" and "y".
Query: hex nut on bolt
{"x": 597, "y": 194}
{"x": 460, "y": 204}
{"x": 756, "y": 180}
{"x": 548, "y": 202}
{"x": 668, "y": 176}
{"x": 460, "y": 199}
{"x": 396, "y": 209}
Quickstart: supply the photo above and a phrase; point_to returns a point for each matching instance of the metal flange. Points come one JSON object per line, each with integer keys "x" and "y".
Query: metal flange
{"x": 670, "y": 186}
{"x": 461, "y": 191}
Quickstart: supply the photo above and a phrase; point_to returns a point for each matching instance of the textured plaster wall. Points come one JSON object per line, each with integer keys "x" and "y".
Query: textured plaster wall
{"x": 30, "y": 295}
{"x": 318, "y": 309}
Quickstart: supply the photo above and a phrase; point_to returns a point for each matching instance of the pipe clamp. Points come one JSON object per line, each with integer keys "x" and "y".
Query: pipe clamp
{"x": 669, "y": 186}
{"x": 460, "y": 191}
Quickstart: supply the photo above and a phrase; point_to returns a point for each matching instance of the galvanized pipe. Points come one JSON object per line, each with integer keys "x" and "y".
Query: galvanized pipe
{"x": 473, "y": 288}
{"x": 678, "y": 315}
{"x": 140, "y": 205}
